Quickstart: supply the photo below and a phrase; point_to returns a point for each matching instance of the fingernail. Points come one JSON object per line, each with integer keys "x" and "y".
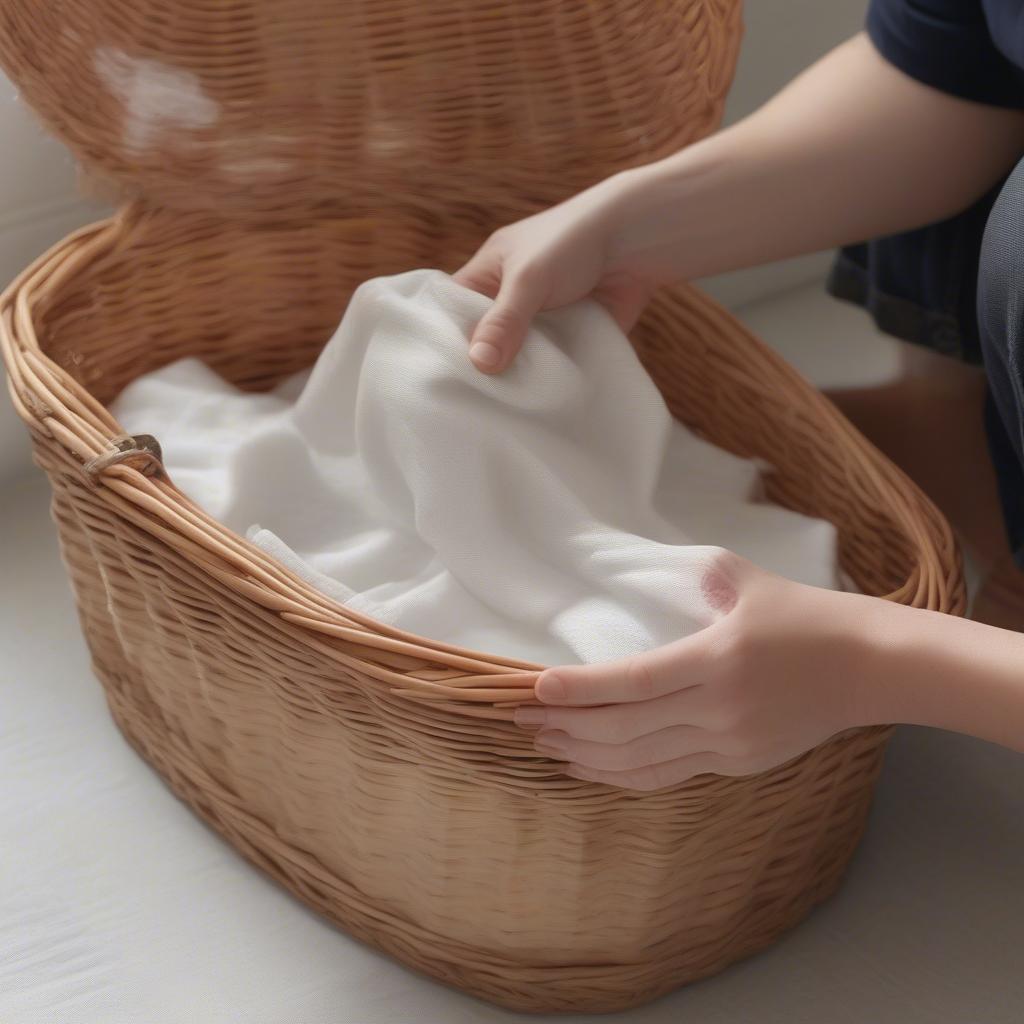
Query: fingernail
{"x": 530, "y": 718}
{"x": 483, "y": 353}
{"x": 550, "y": 688}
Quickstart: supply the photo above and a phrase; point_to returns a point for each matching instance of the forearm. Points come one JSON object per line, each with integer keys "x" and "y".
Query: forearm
{"x": 852, "y": 149}
{"x": 925, "y": 668}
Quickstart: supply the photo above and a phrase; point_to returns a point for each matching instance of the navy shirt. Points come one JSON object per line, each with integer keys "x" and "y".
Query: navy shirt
{"x": 921, "y": 285}
{"x": 970, "y": 48}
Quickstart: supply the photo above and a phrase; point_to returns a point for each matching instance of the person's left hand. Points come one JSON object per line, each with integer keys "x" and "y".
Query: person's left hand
{"x": 780, "y": 671}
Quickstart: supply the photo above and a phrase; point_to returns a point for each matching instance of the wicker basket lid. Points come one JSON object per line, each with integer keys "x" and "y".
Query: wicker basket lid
{"x": 265, "y": 106}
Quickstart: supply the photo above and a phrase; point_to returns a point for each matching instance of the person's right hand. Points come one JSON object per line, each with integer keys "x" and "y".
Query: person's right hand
{"x": 549, "y": 260}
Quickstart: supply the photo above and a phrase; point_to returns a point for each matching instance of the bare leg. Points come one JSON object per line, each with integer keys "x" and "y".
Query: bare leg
{"x": 929, "y": 422}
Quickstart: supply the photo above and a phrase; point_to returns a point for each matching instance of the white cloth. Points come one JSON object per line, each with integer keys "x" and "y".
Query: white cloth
{"x": 555, "y": 512}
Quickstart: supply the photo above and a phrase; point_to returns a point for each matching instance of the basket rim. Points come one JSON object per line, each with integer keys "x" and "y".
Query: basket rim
{"x": 56, "y": 407}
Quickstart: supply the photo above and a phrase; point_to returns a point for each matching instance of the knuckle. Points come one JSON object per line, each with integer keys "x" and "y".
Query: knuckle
{"x": 576, "y": 722}
{"x": 720, "y": 579}
{"x": 558, "y": 720}
{"x": 502, "y": 317}
{"x": 526, "y": 275}
{"x": 639, "y": 679}
{"x": 611, "y": 726}
{"x": 499, "y": 237}
{"x": 729, "y": 711}
{"x": 725, "y": 560}
{"x": 738, "y": 650}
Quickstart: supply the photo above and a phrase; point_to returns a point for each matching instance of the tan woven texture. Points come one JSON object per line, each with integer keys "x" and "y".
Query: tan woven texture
{"x": 271, "y": 104}
{"x": 376, "y": 774}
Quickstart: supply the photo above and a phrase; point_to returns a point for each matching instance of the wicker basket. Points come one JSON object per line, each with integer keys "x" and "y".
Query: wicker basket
{"x": 270, "y": 104}
{"x": 376, "y": 774}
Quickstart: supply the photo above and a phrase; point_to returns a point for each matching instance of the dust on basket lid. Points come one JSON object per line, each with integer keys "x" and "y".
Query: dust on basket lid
{"x": 268, "y": 107}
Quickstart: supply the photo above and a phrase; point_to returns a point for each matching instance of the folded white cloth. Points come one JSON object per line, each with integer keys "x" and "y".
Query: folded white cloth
{"x": 555, "y": 513}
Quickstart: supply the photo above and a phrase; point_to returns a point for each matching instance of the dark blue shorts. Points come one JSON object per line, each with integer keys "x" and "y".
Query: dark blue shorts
{"x": 1001, "y": 333}
{"x": 958, "y": 288}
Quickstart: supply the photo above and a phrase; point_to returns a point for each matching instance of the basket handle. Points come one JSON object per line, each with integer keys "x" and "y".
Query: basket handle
{"x": 138, "y": 451}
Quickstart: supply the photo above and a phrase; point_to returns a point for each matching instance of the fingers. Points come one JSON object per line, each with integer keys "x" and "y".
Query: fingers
{"x": 615, "y": 723}
{"x": 500, "y": 334}
{"x": 658, "y": 673}
{"x": 481, "y": 274}
{"x": 668, "y": 773}
{"x": 658, "y": 747}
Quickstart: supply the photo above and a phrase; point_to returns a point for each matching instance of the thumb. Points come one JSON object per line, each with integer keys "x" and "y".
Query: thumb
{"x": 481, "y": 274}
{"x": 657, "y": 673}
{"x": 502, "y": 330}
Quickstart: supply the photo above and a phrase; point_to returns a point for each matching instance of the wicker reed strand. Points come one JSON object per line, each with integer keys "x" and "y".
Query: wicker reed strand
{"x": 271, "y": 106}
{"x": 376, "y": 774}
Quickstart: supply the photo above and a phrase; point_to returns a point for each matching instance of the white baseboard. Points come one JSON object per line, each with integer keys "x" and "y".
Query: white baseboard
{"x": 741, "y": 287}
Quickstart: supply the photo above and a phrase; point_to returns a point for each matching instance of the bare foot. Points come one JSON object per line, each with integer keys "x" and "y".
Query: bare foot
{"x": 930, "y": 422}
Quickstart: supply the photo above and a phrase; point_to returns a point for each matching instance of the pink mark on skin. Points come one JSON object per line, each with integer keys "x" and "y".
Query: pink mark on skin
{"x": 719, "y": 590}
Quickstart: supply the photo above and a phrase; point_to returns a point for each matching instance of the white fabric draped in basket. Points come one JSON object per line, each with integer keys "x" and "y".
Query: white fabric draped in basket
{"x": 555, "y": 513}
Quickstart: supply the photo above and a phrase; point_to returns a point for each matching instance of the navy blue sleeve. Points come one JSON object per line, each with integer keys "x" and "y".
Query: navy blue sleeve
{"x": 948, "y": 45}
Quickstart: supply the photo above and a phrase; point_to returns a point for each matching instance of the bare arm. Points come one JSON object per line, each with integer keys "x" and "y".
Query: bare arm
{"x": 945, "y": 672}
{"x": 852, "y": 149}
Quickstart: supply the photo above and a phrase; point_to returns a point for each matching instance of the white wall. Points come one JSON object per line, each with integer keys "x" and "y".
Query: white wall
{"x": 782, "y": 38}
{"x": 38, "y": 203}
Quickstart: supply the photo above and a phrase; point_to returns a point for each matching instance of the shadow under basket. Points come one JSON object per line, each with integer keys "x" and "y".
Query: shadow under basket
{"x": 378, "y": 775}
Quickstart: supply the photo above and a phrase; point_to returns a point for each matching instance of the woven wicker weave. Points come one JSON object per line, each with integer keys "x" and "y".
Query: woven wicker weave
{"x": 375, "y": 774}
{"x": 270, "y": 104}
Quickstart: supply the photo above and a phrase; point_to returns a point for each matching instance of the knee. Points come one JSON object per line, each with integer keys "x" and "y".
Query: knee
{"x": 1001, "y": 264}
